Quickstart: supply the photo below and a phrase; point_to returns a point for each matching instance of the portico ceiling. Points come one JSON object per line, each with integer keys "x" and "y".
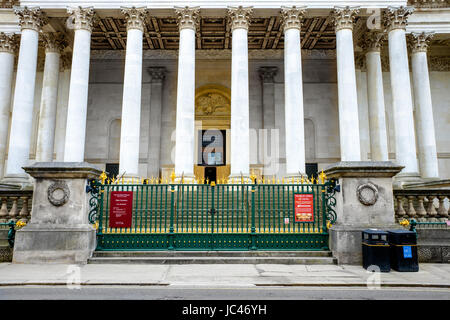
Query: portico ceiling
{"x": 213, "y": 33}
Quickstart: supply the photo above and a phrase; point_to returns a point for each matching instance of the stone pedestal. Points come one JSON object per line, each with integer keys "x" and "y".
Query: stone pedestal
{"x": 59, "y": 230}
{"x": 365, "y": 200}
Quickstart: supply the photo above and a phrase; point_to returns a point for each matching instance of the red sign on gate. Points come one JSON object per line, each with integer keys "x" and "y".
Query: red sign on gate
{"x": 304, "y": 207}
{"x": 120, "y": 211}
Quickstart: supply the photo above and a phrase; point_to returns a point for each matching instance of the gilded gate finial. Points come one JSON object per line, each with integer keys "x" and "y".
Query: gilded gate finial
{"x": 103, "y": 177}
{"x": 322, "y": 177}
{"x": 172, "y": 176}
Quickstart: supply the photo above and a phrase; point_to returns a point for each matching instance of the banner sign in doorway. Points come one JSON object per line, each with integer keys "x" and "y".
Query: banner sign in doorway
{"x": 120, "y": 211}
{"x": 303, "y": 207}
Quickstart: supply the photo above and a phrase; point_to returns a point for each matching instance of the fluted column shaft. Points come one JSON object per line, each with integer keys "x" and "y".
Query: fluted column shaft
{"x": 31, "y": 21}
{"x": 375, "y": 97}
{"x": 131, "y": 105}
{"x": 426, "y": 139}
{"x": 47, "y": 111}
{"x": 185, "y": 119}
{"x": 240, "y": 122}
{"x": 347, "y": 94}
{"x": 293, "y": 92}
{"x": 7, "y": 50}
{"x": 83, "y": 19}
{"x": 405, "y": 143}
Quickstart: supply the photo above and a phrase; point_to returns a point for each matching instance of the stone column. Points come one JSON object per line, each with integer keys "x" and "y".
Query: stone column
{"x": 185, "y": 119}
{"x": 54, "y": 44}
{"x": 31, "y": 21}
{"x": 377, "y": 118}
{"x": 7, "y": 52}
{"x": 82, "y": 20}
{"x": 266, "y": 75}
{"x": 132, "y": 85}
{"x": 154, "y": 140}
{"x": 426, "y": 139}
{"x": 293, "y": 92}
{"x": 405, "y": 142}
{"x": 239, "y": 18}
{"x": 348, "y": 100}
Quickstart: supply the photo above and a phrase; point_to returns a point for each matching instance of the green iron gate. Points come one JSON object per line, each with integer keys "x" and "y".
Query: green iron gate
{"x": 244, "y": 216}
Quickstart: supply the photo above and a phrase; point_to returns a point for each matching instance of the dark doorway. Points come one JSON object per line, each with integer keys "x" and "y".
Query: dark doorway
{"x": 211, "y": 173}
{"x": 112, "y": 170}
{"x": 311, "y": 170}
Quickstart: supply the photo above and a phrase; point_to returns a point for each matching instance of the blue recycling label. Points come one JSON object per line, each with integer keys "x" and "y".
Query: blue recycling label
{"x": 407, "y": 252}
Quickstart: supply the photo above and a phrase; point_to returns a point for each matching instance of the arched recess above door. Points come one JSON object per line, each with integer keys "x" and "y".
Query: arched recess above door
{"x": 213, "y": 102}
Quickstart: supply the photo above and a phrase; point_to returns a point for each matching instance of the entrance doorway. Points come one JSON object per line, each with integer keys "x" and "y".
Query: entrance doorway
{"x": 211, "y": 174}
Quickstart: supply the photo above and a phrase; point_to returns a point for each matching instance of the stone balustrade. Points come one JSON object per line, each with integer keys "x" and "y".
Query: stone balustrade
{"x": 15, "y": 205}
{"x": 423, "y": 206}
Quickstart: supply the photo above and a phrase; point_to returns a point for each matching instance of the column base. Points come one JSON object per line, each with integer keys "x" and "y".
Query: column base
{"x": 42, "y": 243}
{"x": 346, "y": 241}
{"x": 18, "y": 181}
{"x": 403, "y": 179}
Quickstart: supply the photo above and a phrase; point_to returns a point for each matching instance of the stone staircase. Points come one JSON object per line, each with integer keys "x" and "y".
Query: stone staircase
{"x": 213, "y": 257}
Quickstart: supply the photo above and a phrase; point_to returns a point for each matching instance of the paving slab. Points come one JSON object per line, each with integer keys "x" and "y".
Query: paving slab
{"x": 433, "y": 275}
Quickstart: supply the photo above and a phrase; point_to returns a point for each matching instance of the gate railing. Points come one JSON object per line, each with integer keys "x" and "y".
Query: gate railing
{"x": 242, "y": 215}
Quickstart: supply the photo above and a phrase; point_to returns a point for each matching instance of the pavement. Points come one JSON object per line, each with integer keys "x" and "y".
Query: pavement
{"x": 220, "y": 275}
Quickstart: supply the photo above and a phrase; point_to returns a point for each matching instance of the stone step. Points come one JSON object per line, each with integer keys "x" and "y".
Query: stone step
{"x": 165, "y": 254}
{"x": 214, "y": 260}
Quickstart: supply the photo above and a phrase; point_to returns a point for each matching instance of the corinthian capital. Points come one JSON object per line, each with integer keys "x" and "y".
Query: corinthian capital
{"x": 344, "y": 17}
{"x": 292, "y": 17}
{"x": 396, "y": 17}
{"x": 419, "y": 41}
{"x": 8, "y": 42}
{"x": 267, "y": 74}
{"x": 187, "y": 17}
{"x": 239, "y": 17}
{"x": 135, "y": 17}
{"x": 54, "y": 42}
{"x": 372, "y": 41}
{"x": 81, "y": 18}
{"x": 31, "y": 18}
{"x": 157, "y": 73}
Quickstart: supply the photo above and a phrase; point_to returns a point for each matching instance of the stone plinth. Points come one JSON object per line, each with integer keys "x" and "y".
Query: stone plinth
{"x": 365, "y": 201}
{"x": 59, "y": 230}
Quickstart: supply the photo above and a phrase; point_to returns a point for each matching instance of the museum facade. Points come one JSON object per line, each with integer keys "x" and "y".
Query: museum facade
{"x": 216, "y": 91}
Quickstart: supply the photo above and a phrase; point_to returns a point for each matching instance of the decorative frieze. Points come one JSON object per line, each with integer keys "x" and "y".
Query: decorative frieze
{"x": 344, "y": 17}
{"x": 31, "y": 18}
{"x": 158, "y": 74}
{"x": 372, "y": 41}
{"x": 135, "y": 17}
{"x": 54, "y": 42}
{"x": 419, "y": 41}
{"x": 187, "y": 17}
{"x": 81, "y": 18}
{"x": 239, "y": 17}
{"x": 267, "y": 74}
{"x": 8, "y": 42}
{"x": 292, "y": 17}
{"x": 396, "y": 17}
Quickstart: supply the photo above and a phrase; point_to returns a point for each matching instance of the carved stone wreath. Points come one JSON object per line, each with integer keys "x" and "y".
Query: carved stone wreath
{"x": 58, "y": 193}
{"x": 367, "y": 194}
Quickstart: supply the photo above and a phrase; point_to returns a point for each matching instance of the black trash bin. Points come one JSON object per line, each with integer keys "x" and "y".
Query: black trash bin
{"x": 375, "y": 249}
{"x": 403, "y": 250}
